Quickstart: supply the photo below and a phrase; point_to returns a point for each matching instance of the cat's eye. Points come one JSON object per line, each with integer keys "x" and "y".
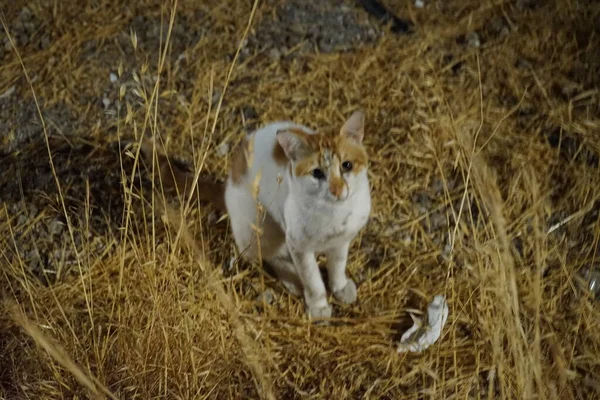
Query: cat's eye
{"x": 317, "y": 173}
{"x": 347, "y": 166}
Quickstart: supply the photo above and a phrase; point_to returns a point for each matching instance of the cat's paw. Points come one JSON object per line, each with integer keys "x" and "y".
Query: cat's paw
{"x": 319, "y": 312}
{"x": 347, "y": 294}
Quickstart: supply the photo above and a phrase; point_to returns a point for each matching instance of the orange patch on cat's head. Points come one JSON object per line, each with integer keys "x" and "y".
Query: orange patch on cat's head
{"x": 329, "y": 150}
{"x": 322, "y": 150}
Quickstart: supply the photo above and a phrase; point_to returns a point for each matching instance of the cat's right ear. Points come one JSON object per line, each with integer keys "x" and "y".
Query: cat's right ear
{"x": 293, "y": 143}
{"x": 354, "y": 127}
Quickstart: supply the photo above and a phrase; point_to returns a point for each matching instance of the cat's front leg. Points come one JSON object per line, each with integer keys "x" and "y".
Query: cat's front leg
{"x": 315, "y": 294}
{"x": 343, "y": 288}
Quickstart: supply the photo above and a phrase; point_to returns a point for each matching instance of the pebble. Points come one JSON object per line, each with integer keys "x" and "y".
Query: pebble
{"x": 267, "y": 296}
{"x": 8, "y": 92}
{"x": 419, "y": 3}
{"x": 391, "y": 230}
{"x": 45, "y": 42}
{"x": 438, "y": 221}
{"x": 223, "y": 149}
{"x": 473, "y": 39}
{"x": 55, "y": 227}
{"x": 113, "y": 77}
{"x": 21, "y": 220}
{"x": 499, "y": 26}
{"x": 106, "y": 102}
{"x": 34, "y": 264}
{"x": 275, "y": 54}
{"x": 25, "y": 13}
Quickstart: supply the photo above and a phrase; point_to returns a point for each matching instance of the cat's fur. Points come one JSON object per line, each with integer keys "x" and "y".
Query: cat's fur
{"x": 301, "y": 212}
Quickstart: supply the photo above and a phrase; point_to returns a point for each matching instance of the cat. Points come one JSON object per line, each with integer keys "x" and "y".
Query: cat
{"x": 307, "y": 192}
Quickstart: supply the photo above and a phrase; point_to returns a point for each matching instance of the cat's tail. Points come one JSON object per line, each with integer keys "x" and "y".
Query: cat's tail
{"x": 176, "y": 176}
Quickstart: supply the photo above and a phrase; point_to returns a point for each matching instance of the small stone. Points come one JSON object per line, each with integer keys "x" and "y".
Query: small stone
{"x": 419, "y": 3}
{"x": 275, "y": 54}
{"x": 8, "y": 92}
{"x": 326, "y": 46}
{"x": 267, "y": 296}
{"x": 113, "y": 77}
{"x": 21, "y": 220}
{"x": 473, "y": 39}
{"x": 438, "y": 221}
{"x": 223, "y": 149}
{"x": 25, "y": 13}
{"x": 45, "y": 42}
{"x": 34, "y": 265}
{"x": 391, "y": 230}
{"x": 106, "y": 102}
{"x": 55, "y": 227}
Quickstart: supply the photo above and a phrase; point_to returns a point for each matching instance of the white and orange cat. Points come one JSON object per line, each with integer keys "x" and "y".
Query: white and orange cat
{"x": 314, "y": 197}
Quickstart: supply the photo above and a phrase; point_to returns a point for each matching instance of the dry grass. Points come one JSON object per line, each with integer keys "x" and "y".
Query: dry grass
{"x": 467, "y": 192}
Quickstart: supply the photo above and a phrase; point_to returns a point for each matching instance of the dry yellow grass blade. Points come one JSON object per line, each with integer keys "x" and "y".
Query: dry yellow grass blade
{"x": 59, "y": 354}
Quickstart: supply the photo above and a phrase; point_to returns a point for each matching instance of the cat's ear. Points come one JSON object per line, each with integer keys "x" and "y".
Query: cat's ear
{"x": 354, "y": 127}
{"x": 293, "y": 143}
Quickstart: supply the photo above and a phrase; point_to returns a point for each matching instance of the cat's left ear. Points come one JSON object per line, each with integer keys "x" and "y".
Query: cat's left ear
{"x": 354, "y": 127}
{"x": 293, "y": 143}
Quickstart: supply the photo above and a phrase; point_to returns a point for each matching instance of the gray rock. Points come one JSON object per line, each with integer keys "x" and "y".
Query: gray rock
{"x": 267, "y": 296}
{"x": 473, "y": 39}
{"x": 55, "y": 227}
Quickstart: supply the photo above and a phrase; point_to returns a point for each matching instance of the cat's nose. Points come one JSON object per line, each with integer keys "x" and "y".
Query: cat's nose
{"x": 336, "y": 187}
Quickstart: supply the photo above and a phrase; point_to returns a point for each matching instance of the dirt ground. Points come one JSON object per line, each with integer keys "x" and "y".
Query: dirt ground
{"x": 483, "y": 133}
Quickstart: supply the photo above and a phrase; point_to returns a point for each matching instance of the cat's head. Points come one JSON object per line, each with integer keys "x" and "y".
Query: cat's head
{"x": 327, "y": 166}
